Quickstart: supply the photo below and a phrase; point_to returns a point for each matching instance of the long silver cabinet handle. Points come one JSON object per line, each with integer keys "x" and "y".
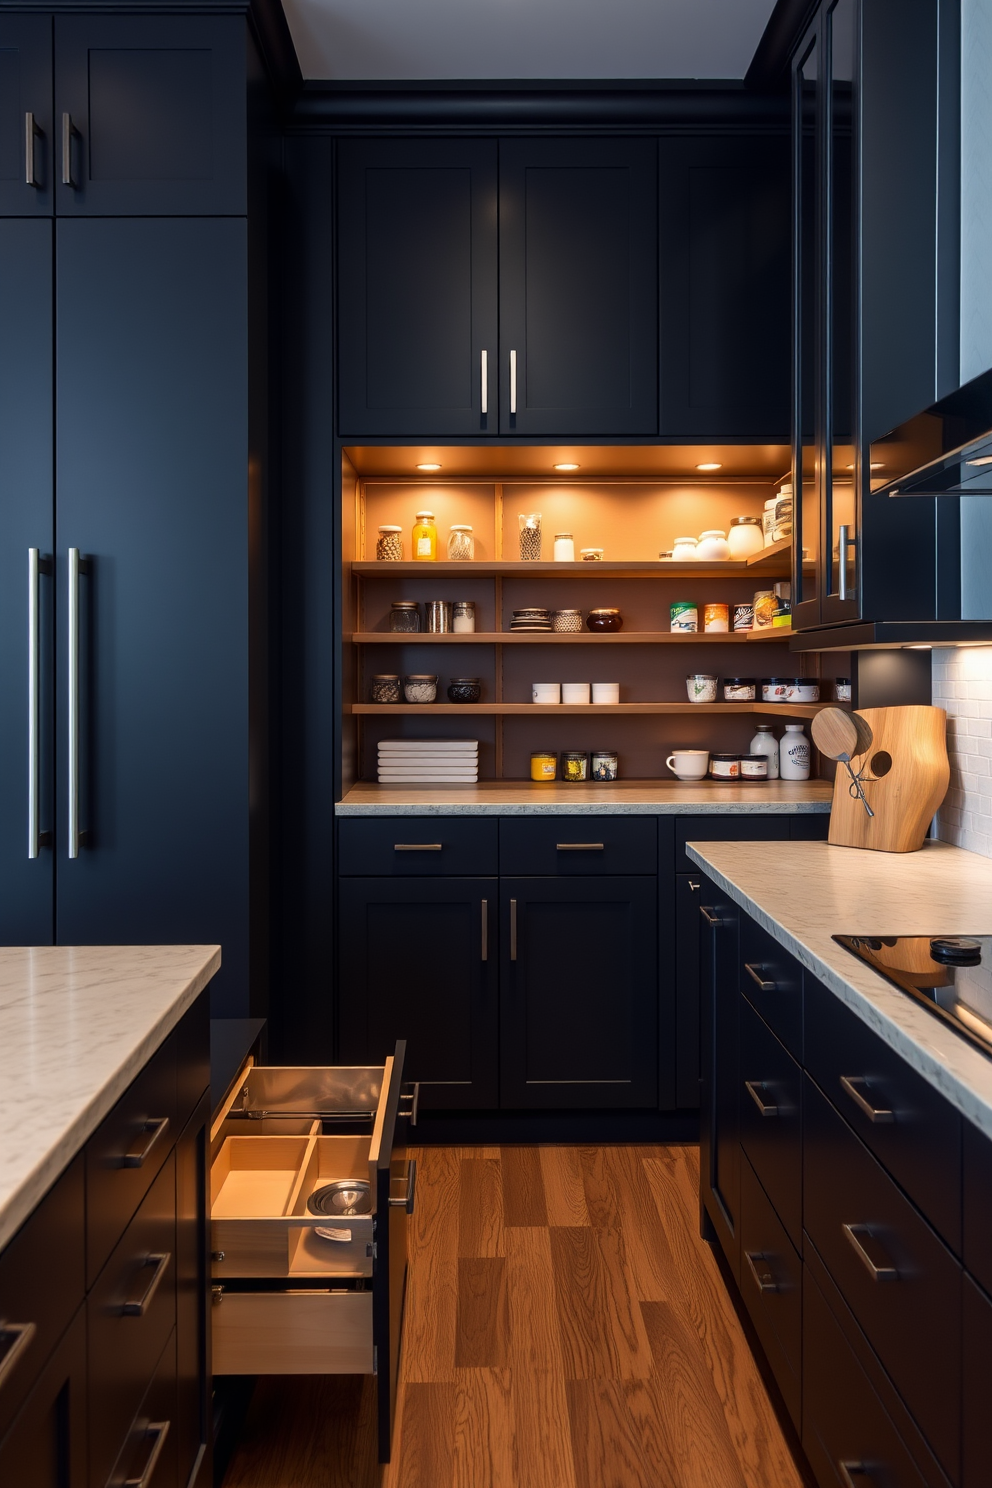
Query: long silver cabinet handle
{"x": 406, "y": 1200}
{"x": 139, "y": 1308}
{"x": 30, "y": 131}
{"x": 878, "y": 1114}
{"x": 484, "y": 374}
{"x": 485, "y": 929}
{"x": 513, "y": 382}
{"x": 580, "y": 846}
{"x": 67, "y": 133}
{"x": 844, "y": 540}
{"x": 22, "y": 1335}
{"x": 754, "y": 1089}
{"x": 37, "y": 565}
{"x": 855, "y": 1475}
{"x": 157, "y": 1126}
{"x": 709, "y": 916}
{"x": 764, "y": 1277}
{"x": 513, "y": 929}
{"x": 870, "y": 1253}
{"x": 159, "y": 1430}
{"x": 417, "y": 846}
{"x": 756, "y": 973}
{"x": 77, "y": 567}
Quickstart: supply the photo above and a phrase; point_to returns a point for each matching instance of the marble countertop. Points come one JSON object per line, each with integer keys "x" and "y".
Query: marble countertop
{"x": 622, "y": 798}
{"x": 803, "y": 893}
{"x": 77, "y": 1024}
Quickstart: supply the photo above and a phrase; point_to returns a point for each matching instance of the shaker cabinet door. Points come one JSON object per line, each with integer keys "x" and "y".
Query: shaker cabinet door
{"x": 719, "y": 1053}
{"x": 417, "y": 280}
{"x": 27, "y": 159}
{"x": 579, "y": 1003}
{"x": 419, "y": 962}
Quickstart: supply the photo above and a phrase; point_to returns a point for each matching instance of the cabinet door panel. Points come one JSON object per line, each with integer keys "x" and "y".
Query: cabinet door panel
{"x": 418, "y": 286}
{"x": 578, "y": 287}
{"x": 725, "y": 305}
{"x": 27, "y": 520}
{"x": 26, "y": 88}
{"x": 158, "y": 114}
{"x": 770, "y": 1099}
{"x": 194, "y": 1427}
{"x": 418, "y": 964}
{"x": 688, "y": 887}
{"x": 578, "y": 1012}
{"x": 976, "y": 1461}
{"x": 152, "y": 483}
{"x": 719, "y": 1056}
{"x": 46, "y": 1446}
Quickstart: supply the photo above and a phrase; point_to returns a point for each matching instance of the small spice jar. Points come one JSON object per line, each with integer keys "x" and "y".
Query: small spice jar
{"x": 744, "y": 616}
{"x": 605, "y": 764}
{"x": 385, "y": 688}
{"x": 740, "y": 689}
{"x": 420, "y": 688}
{"x": 543, "y": 765}
{"x": 604, "y": 620}
{"x": 461, "y": 544}
{"x": 754, "y": 767}
{"x": 842, "y": 689}
{"x": 716, "y": 618}
{"x": 701, "y": 688}
{"x": 725, "y": 767}
{"x": 591, "y": 555}
{"x": 574, "y": 765}
{"x": 564, "y": 547}
{"x": 404, "y": 617}
{"x": 464, "y": 690}
{"x": 804, "y": 690}
{"x": 463, "y": 616}
{"x": 566, "y": 622}
{"x": 389, "y": 545}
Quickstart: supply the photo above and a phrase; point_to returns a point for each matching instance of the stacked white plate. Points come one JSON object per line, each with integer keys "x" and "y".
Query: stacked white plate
{"x": 428, "y": 761}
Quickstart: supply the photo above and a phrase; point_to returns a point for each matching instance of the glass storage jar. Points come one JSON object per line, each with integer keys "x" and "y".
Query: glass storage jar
{"x": 461, "y": 544}
{"x": 463, "y": 616}
{"x": 404, "y": 617}
{"x": 389, "y": 545}
{"x": 425, "y": 537}
{"x": 604, "y": 620}
{"x": 740, "y": 689}
{"x": 543, "y": 765}
{"x": 574, "y": 765}
{"x": 385, "y": 688}
{"x": 420, "y": 688}
{"x": 684, "y": 550}
{"x": 745, "y": 537}
{"x": 605, "y": 764}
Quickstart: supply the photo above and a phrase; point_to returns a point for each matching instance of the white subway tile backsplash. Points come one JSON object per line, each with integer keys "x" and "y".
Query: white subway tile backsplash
{"x": 962, "y": 683}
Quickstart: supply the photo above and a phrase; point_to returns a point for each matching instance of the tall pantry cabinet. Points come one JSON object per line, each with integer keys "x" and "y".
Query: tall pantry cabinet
{"x": 125, "y": 502}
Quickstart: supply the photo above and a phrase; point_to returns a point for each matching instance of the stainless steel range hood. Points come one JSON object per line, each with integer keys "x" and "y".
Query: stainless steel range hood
{"x": 944, "y": 451}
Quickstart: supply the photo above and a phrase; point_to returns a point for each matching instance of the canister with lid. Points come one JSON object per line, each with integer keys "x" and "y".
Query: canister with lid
{"x": 564, "y": 547}
{"x": 745, "y": 537}
{"x": 605, "y": 764}
{"x": 725, "y": 766}
{"x": 604, "y": 620}
{"x": 713, "y": 546}
{"x": 463, "y": 616}
{"x": 574, "y": 765}
{"x": 684, "y": 550}
{"x": 389, "y": 544}
{"x": 716, "y": 618}
{"x": 685, "y": 615}
{"x": 754, "y": 767}
{"x": 439, "y": 616}
{"x": 461, "y": 544}
{"x": 385, "y": 688}
{"x": 404, "y": 617}
{"x": 739, "y": 689}
{"x": 543, "y": 765}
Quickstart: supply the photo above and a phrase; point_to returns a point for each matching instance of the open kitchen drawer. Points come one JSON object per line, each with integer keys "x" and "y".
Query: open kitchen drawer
{"x": 303, "y": 1292}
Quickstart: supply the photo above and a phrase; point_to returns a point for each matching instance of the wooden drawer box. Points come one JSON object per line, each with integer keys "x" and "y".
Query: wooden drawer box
{"x": 770, "y": 1103}
{"x": 771, "y": 1285}
{"x": 914, "y": 1132}
{"x": 577, "y": 846}
{"x": 772, "y": 982}
{"x": 405, "y": 846}
{"x": 900, "y": 1281}
{"x": 293, "y": 1332}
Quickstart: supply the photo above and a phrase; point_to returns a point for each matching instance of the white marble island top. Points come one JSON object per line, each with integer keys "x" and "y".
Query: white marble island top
{"x": 77, "y": 1024}
{"x": 803, "y": 893}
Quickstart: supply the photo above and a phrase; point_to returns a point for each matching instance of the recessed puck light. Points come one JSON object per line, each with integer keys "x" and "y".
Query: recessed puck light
{"x": 429, "y": 465}
{"x": 566, "y": 465}
{"x": 710, "y": 465}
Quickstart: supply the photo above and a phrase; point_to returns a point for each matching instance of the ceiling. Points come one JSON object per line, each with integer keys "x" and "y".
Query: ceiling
{"x": 419, "y": 40}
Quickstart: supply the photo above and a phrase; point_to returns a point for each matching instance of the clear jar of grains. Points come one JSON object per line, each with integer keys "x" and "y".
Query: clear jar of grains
{"x": 389, "y": 545}
{"x": 461, "y": 544}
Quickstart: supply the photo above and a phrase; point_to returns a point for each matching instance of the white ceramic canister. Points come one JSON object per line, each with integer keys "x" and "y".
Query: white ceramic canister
{"x": 804, "y": 690}
{"x": 713, "y": 546}
{"x": 564, "y": 547}
{"x": 684, "y": 550}
{"x": 575, "y": 692}
{"x": 606, "y": 692}
{"x": 545, "y": 692}
{"x": 765, "y": 742}
{"x": 793, "y": 753}
{"x": 745, "y": 537}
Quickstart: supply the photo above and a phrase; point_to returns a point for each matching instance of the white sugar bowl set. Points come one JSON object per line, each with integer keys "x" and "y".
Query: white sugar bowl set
{"x": 574, "y": 693}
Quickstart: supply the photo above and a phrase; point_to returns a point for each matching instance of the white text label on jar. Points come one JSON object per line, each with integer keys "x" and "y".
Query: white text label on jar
{"x": 754, "y": 767}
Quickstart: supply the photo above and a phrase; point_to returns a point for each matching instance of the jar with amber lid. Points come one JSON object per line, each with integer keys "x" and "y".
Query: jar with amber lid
{"x": 604, "y": 620}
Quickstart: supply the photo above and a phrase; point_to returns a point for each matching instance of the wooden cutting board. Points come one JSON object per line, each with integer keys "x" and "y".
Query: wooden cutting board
{"x": 906, "y": 775}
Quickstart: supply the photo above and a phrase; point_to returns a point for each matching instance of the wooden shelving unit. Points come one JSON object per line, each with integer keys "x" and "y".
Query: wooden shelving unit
{"x": 785, "y": 711}
{"x": 576, "y": 638}
{"x": 773, "y": 562}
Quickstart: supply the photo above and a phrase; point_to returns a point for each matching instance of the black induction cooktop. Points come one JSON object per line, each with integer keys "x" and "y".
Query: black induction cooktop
{"x": 951, "y": 975}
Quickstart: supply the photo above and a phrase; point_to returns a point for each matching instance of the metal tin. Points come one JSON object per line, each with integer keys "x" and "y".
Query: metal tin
{"x": 716, "y": 617}
{"x": 684, "y": 615}
{"x": 438, "y": 616}
{"x": 744, "y": 616}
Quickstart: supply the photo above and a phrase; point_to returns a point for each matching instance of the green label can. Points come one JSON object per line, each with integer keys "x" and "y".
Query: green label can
{"x": 685, "y": 615}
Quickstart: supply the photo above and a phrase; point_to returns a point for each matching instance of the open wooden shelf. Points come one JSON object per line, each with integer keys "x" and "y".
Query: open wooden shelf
{"x": 772, "y": 562}
{"x": 616, "y": 710}
{"x": 583, "y": 638}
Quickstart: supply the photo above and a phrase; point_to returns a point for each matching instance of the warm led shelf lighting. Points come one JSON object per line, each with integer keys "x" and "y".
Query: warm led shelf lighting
{"x": 567, "y": 465}
{"x": 710, "y": 465}
{"x": 429, "y": 465}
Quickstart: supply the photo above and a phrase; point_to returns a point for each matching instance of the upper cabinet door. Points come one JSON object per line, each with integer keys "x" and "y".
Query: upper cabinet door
{"x": 578, "y": 287}
{"x": 417, "y": 275}
{"x": 725, "y": 303}
{"x": 27, "y": 160}
{"x": 150, "y": 116}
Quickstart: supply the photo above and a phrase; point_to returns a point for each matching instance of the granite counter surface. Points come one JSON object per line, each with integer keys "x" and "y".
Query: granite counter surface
{"x": 77, "y": 1024}
{"x": 803, "y": 893}
{"x": 644, "y": 798}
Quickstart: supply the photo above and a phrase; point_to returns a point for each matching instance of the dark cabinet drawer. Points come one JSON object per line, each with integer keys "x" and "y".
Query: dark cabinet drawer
{"x": 126, "y": 1152}
{"x": 729, "y": 828}
{"x": 976, "y": 1455}
{"x": 977, "y": 1220}
{"x": 770, "y": 1101}
{"x": 41, "y": 1285}
{"x": 566, "y": 846}
{"x": 149, "y": 1455}
{"x": 772, "y": 981}
{"x": 900, "y": 1281}
{"x": 914, "y": 1132}
{"x": 45, "y": 1447}
{"x": 848, "y": 1436}
{"x": 131, "y": 1313}
{"x": 407, "y": 845}
{"x": 771, "y": 1285}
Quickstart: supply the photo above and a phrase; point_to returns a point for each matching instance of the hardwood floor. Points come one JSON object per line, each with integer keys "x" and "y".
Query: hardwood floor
{"x": 566, "y": 1328}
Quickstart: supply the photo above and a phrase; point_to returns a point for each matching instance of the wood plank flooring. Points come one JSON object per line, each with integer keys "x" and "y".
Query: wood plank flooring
{"x": 566, "y": 1328}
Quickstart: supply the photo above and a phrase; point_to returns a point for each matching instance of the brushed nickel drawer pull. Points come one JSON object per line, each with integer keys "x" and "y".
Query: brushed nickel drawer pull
{"x": 417, "y": 846}
{"x": 761, "y": 1271}
{"x": 30, "y": 131}
{"x": 485, "y": 929}
{"x": 709, "y": 916}
{"x": 22, "y": 1334}
{"x": 756, "y": 975}
{"x": 695, "y": 887}
{"x": 67, "y": 132}
{"x": 870, "y": 1253}
{"x": 513, "y": 929}
{"x": 755, "y": 1088}
{"x": 413, "y": 1096}
{"x": 484, "y": 379}
{"x": 849, "y": 1084}
{"x": 855, "y": 1475}
{"x": 159, "y": 1430}
{"x": 161, "y": 1264}
{"x": 580, "y": 846}
{"x": 405, "y": 1201}
{"x": 158, "y": 1126}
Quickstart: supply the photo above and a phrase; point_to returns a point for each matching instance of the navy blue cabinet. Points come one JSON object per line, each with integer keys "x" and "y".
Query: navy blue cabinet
{"x": 719, "y": 1045}
{"x": 27, "y": 158}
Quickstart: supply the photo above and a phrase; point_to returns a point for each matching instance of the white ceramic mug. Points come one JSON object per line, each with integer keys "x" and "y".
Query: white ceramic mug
{"x": 689, "y": 764}
{"x": 606, "y": 692}
{"x": 575, "y": 692}
{"x": 545, "y": 692}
